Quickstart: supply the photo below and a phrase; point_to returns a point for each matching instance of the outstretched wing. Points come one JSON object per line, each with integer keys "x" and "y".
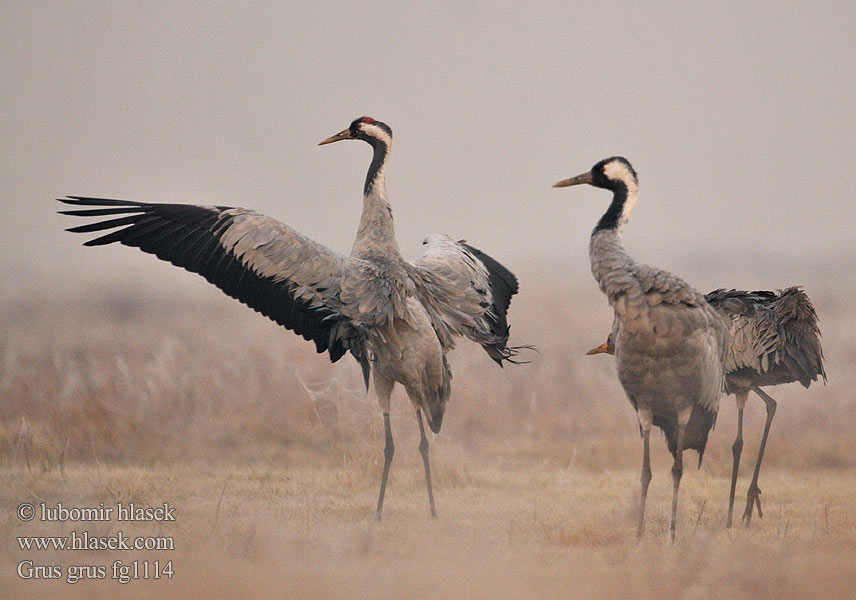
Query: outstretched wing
{"x": 266, "y": 265}
{"x": 466, "y": 292}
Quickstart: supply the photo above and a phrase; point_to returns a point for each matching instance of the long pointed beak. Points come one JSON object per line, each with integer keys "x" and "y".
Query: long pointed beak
{"x": 599, "y": 350}
{"x": 345, "y": 134}
{"x": 581, "y": 178}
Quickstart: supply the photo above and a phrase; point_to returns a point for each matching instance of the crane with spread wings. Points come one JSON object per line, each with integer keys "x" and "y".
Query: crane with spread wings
{"x": 398, "y": 319}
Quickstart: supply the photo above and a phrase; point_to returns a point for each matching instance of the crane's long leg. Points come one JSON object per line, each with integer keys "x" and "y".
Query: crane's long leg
{"x": 678, "y": 466}
{"x": 383, "y": 390}
{"x": 423, "y": 449}
{"x": 646, "y": 419}
{"x": 736, "y": 450}
{"x": 388, "y": 451}
{"x": 753, "y": 496}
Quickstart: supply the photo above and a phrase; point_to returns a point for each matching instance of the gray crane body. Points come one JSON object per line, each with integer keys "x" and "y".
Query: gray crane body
{"x": 668, "y": 349}
{"x": 670, "y": 343}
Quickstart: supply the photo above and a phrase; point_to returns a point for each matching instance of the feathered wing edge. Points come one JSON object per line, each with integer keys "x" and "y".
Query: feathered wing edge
{"x": 260, "y": 262}
{"x": 466, "y": 293}
{"x": 503, "y": 285}
{"x": 799, "y": 323}
{"x": 772, "y": 330}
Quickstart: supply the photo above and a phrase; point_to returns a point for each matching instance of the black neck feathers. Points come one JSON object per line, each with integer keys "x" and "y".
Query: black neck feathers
{"x": 381, "y": 150}
{"x": 611, "y": 217}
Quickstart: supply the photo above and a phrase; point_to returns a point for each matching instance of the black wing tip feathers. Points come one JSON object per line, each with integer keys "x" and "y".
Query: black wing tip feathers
{"x": 509, "y": 354}
{"x": 496, "y": 269}
{"x": 89, "y": 201}
{"x": 504, "y": 285}
{"x": 189, "y": 236}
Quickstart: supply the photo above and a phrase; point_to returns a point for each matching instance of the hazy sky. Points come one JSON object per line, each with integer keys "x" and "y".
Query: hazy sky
{"x": 739, "y": 118}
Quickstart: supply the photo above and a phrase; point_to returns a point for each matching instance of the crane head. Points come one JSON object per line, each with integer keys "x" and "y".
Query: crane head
{"x": 364, "y": 128}
{"x": 610, "y": 173}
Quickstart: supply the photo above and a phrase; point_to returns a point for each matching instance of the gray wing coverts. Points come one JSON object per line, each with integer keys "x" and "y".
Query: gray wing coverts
{"x": 774, "y": 337}
{"x": 632, "y": 288}
{"x": 466, "y": 292}
{"x": 255, "y": 259}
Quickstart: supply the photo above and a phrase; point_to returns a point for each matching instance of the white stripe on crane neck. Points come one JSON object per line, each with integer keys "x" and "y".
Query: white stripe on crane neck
{"x": 618, "y": 171}
{"x": 380, "y": 133}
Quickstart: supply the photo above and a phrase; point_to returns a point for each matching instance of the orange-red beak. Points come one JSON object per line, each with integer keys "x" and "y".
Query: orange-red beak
{"x": 345, "y": 134}
{"x": 599, "y": 350}
{"x": 578, "y": 180}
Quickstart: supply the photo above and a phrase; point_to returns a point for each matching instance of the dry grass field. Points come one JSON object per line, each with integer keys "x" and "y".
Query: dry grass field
{"x": 271, "y": 457}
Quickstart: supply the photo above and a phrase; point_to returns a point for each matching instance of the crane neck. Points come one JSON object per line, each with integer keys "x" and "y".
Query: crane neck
{"x": 376, "y": 233}
{"x": 623, "y": 202}
{"x": 375, "y": 176}
{"x": 611, "y": 266}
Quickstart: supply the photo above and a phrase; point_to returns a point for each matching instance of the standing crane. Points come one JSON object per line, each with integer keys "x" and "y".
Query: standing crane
{"x": 774, "y": 339}
{"x": 671, "y": 342}
{"x": 397, "y": 318}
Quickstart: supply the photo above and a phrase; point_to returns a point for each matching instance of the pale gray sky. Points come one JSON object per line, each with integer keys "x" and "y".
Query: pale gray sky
{"x": 739, "y": 118}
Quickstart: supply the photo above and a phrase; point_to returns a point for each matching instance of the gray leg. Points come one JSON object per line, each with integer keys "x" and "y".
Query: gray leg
{"x": 736, "y": 450}
{"x": 646, "y": 420}
{"x": 423, "y": 449}
{"x": 646, "y": 479}
{"x": 388, "y": 451}
{"x": 678, "y": 467}
{"x": 753, "y": 496}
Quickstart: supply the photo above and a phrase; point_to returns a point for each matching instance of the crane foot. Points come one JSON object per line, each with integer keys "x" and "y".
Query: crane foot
{"x": 753, "y": 499}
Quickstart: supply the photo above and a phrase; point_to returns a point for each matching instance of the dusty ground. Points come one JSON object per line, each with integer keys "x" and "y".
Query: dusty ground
{"x": 272, "y": 456}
